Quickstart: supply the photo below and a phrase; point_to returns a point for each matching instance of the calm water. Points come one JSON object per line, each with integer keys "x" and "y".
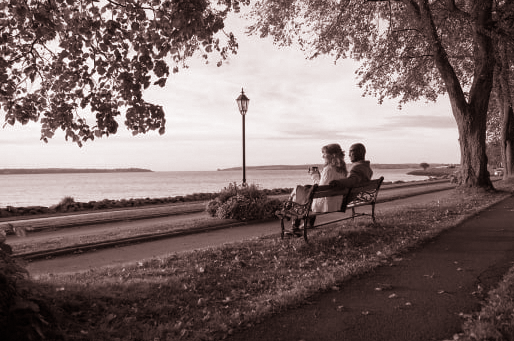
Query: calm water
{"x": 49, "y": 189}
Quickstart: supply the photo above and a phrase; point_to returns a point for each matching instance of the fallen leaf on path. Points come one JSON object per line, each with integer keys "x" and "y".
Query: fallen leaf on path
{"x": 110, "y": 317}
{"x": 383, "y": 286}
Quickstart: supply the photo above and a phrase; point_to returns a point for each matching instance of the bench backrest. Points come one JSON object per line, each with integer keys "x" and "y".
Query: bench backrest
{"x": 363, "y": 194}
{"x": 329, "y": 191}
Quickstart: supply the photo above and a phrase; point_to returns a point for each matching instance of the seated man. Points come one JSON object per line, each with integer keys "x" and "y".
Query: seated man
{"x": 360, "y": 172}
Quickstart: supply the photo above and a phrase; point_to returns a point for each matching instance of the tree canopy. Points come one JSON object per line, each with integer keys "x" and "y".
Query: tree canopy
{"x": 409, "y": 50}
{"x": 62, "y": 58}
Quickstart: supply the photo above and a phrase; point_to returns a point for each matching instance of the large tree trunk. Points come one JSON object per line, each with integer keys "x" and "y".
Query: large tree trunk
{"x": 473, "y": 171}
{"x": 470, "y": 111}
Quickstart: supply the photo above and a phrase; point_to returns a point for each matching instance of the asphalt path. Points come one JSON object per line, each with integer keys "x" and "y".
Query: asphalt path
{"x": 184, "y": 242}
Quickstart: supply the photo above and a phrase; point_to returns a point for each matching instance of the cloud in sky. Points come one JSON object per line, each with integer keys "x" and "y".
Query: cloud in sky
{"x": 296, "y": 107}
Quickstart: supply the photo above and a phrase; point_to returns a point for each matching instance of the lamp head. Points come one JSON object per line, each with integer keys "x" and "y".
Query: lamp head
{"x": 242, "y": 103}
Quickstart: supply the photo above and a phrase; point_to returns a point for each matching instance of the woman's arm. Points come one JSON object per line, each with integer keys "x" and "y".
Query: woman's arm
{"x": 327, "y": 174}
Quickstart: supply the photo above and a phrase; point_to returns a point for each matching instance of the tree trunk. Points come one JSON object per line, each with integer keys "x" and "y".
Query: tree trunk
{"x": 507, "y": 140}
{"x": 470, "y": 111}
{"x": 507, "y": 114}
{"x": 473, "y": 171}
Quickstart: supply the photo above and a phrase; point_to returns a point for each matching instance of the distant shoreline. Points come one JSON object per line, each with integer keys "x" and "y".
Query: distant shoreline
{"x": 295, "y": 167}
{"x": 68, "y": 170}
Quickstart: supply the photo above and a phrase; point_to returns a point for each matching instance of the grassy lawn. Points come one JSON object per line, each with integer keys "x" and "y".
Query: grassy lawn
{"x": 207, "y": 294}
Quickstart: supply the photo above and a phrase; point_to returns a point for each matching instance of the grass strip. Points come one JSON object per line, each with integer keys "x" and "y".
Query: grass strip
{"x": 495, "y": 321}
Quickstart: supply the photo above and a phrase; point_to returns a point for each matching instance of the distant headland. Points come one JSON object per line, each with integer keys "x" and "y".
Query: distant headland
{"x": 68, "y": 170}
{"x": 295, "y": 167}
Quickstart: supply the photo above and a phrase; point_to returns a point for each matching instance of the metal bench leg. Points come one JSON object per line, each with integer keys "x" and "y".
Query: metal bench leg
{"x": 305, "y": 222}
{"x": 282, "y": 232}
{"x": 373, "y": 212}
{"x": 353, "y": 213}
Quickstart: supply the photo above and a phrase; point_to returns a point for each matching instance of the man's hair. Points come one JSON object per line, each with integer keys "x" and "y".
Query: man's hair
{"x": 359, "y": 151}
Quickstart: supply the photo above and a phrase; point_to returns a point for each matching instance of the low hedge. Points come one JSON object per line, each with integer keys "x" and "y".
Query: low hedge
{"x": 68, "y": 204}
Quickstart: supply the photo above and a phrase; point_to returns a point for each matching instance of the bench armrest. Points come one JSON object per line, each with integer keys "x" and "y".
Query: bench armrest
{"x": 291, "y": 209}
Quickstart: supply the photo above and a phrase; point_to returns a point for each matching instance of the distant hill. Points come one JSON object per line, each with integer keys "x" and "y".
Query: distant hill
{"x": 68, "y": 170}
{"x": 295, "y": 167}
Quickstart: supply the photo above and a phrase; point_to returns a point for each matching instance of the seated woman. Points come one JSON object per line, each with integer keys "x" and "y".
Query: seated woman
{"x": 334, "y": 169}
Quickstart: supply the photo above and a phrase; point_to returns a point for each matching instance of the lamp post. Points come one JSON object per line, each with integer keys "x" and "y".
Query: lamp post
{"x": 242, "y": 103}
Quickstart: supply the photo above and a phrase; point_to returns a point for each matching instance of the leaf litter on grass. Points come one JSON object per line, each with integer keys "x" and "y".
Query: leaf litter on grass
{"x": 206, "y": 294}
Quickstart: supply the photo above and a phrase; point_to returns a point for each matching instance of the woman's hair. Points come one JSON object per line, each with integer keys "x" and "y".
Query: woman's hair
{"x": 335, "y": 157}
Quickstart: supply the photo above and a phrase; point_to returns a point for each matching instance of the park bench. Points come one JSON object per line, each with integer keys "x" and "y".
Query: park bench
{"x": 360, "y": 195}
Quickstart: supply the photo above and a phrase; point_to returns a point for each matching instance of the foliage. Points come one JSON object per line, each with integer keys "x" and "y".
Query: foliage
{"x": 409, "y": 50}
{"x": 206, "y": 294}
{"x": 424, "y": 165}
{"x": 66, "y": 204}
{"x": 22, "y": 315}
{"x": 61, "y": 58}
{"x": 388, "y": 38}
{"x": 242, "y": 203}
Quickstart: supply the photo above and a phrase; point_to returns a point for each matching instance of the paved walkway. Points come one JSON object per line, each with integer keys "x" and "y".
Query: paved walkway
{"x": 422, "y": 294}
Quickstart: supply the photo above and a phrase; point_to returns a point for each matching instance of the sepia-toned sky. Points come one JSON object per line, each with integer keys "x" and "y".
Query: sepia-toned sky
{"x": 296, "y": 107}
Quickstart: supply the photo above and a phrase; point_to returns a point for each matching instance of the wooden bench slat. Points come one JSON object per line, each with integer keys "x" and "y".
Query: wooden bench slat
{"x": 329, "y": 191}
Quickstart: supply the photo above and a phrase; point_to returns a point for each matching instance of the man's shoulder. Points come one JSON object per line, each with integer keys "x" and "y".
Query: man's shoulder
{"x": 361, "y": 163}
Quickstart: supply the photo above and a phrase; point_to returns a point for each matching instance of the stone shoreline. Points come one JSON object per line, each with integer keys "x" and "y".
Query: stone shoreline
{"x": 69, "y": 205}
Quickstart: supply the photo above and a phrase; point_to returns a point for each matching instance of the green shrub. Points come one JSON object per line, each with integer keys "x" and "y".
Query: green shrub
{"x": 271, "y": 207}
{"x": 242, "y": 203}
{"x": 23, "y": 316}
{"x": 212, "y": 206}
{"x": 66, "y": 204}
